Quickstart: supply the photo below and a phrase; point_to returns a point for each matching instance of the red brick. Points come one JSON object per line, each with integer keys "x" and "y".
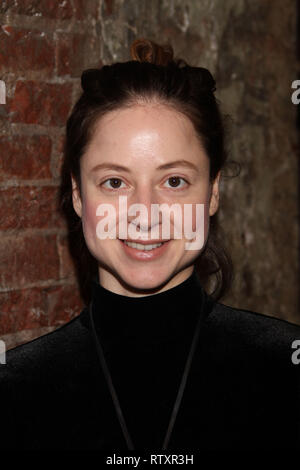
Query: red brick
{"x": 64, "y": 303}
{"x": 25, "y": 157}
{"x": 67, "y": 268}
{"x": 29, "y": 207}
{"x": 86, "y": 56}
{"x": 28, "y": 259}
{"x": 24, "y": 50}
{"x": 41, "y": 103}
{"x": 22, "y": 309}
{"x": 84, "y": 9}
{"x": 56, "y": 9}
{"x": 109, "y": 7}
{"x": 58, "y": 154}
{"x": 38, "y": 307}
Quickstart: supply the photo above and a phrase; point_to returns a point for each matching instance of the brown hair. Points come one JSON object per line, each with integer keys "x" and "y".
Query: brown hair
{"x": 152, "y": 74}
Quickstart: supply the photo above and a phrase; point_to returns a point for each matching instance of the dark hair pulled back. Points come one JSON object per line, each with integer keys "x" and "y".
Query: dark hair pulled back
{"x": 153, "y": 75}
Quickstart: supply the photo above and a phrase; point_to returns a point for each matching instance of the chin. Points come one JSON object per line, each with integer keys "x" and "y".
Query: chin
{"x": 145, "y": 279}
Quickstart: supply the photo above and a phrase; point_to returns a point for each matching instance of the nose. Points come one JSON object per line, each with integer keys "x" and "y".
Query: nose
{"x": 140, "y": 212}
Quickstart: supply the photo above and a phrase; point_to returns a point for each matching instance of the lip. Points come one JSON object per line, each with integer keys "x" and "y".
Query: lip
{"x": 145, "y": 242}
{"x": 145, "y": 255}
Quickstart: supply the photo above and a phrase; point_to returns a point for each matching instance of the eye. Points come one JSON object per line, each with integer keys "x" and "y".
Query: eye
{"x": 113, "y": 182}
{"x": 175, "y": 181}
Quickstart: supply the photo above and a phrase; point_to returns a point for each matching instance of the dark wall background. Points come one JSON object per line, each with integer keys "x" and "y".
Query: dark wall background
{"x": 249, "y": 46}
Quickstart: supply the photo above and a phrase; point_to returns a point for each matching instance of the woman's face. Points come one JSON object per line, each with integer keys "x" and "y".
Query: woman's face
{"x": 148, "y": 154}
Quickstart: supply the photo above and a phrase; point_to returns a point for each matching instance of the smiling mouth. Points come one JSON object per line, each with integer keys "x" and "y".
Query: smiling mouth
{"x": 146, "y": 246}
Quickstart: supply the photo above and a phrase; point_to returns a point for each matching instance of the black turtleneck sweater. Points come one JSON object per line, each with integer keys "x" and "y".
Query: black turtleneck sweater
{"x": 146, "y": 341}
{"x": 242, "y": 391}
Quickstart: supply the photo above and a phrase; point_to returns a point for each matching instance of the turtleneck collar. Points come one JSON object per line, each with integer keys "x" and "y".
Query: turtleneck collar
{"x": 163, "y": 315}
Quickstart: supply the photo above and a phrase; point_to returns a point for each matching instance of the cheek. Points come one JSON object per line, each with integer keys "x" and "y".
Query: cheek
{"x": 198, "y": 222}
{"x": 89, "y": 219}
{"x": 98, "y": 221}
{"x": 196, "y": 217}
{"x": 204, "y": 219}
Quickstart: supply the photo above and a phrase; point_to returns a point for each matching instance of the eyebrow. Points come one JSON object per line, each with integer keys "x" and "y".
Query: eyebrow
{"x": 166, "y": 166}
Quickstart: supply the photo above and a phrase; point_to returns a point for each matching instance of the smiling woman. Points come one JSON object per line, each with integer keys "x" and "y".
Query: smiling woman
{"x": 151, "y": 138}
{"x": 154, "y": 361}
{"x": 146, "y": 122}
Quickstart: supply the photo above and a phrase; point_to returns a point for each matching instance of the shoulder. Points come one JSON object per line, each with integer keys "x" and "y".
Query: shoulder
{"x": 42, "y": 382}
{"x": 249, "y": 330}
{"x": 40, "y": 356}
{"x": 221, "y": 313}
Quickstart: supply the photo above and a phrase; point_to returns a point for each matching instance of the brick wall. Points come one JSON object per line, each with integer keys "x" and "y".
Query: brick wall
{"x": 44, "y": 46}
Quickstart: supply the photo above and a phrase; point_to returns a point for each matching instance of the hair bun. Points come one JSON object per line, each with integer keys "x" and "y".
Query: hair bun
{"x": 144, "y": 50}
{"x": 202, "y": 79}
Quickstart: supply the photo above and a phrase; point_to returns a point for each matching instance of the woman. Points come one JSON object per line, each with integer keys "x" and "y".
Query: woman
{"x": 154, "y": 362}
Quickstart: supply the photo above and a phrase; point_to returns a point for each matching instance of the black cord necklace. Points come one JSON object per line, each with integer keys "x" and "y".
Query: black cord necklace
{"x": 181, "y": 386}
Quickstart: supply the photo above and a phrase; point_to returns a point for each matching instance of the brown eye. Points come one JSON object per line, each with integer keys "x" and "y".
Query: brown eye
{"x": 175, "y": 182}
{"x": 115, "y": 183}
{"x": 112, "y": 183}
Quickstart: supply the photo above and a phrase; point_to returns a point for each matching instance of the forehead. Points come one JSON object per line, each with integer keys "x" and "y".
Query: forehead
{"x": 144, "y": 124}
{"x": 144, "y": 137}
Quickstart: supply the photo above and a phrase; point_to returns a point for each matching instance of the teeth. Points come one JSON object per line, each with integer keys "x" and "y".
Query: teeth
{"x": 141, "y": 247}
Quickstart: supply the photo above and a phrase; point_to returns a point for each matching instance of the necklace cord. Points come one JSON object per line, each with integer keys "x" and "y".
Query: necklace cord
{"x": 110, "y": 384}
{"x": 184, "y": 378}
{"x": 180, "y": 390}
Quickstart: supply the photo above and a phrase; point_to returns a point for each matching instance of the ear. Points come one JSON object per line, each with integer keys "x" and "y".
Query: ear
{"x": 214, "y": 198}
{"x": 76, "y": 198}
